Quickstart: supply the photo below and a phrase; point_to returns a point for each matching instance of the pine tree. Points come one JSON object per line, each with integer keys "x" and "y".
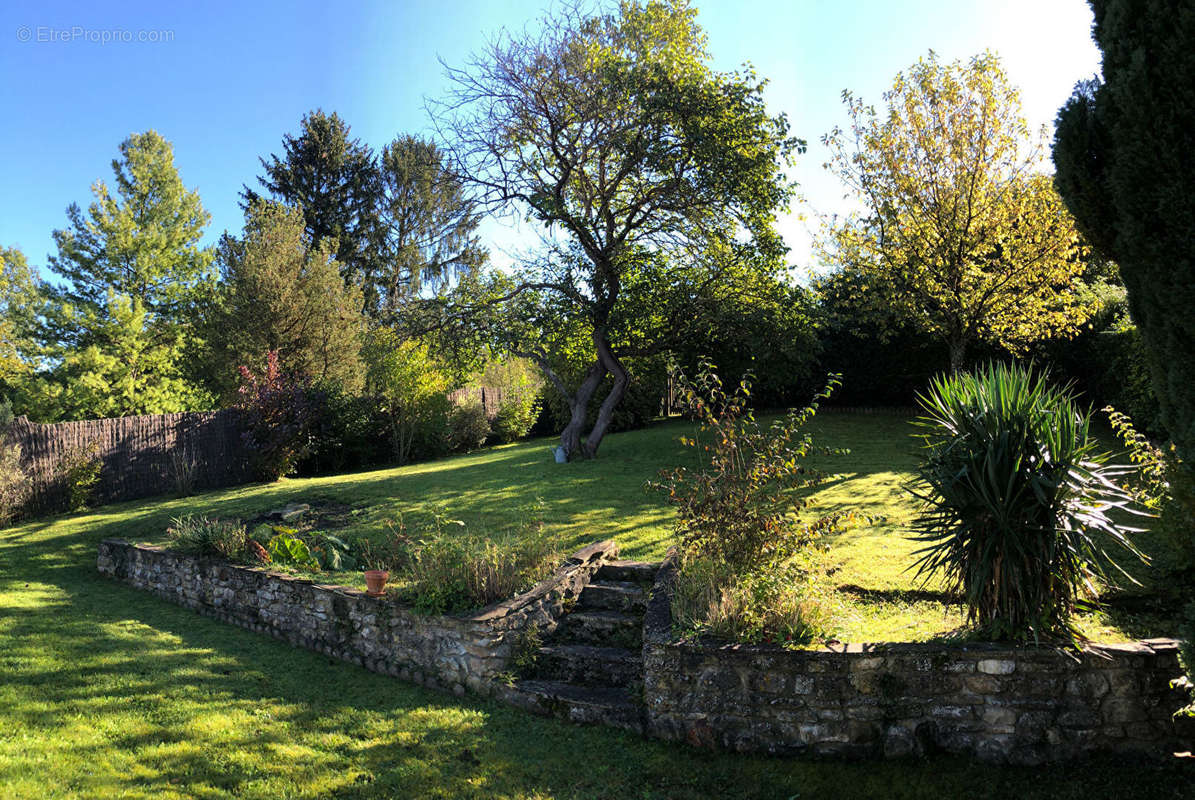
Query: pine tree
{"x": 285, "y": 295}
{"x": 333, "y": 179}
{"x": 141, "y": 241}
{"x": 134, "y": 275}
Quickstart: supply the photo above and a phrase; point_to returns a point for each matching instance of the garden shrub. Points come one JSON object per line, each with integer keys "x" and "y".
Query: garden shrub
{"x": 744, "y": 562}
{"x": 14, "y": 483}
{"x": 77, "y": 475}
{"x": 455, "y": 569}
{"x": 351, "y": 432}
{"x": 278, "y": 413}
{"x": 738, "y": 506}
{"x": 468, "y": 427}
{"x": 209, "y": 537}
{"x": 515, "y": 418}
{"x": 1017, "y": 501}
{"x": 411, "y": 388}
{"x": 518, "y": 386}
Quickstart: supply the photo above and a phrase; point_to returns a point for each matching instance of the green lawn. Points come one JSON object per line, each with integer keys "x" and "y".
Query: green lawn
{"x": 496, "y": 489}
{"x": 108, "y": 692}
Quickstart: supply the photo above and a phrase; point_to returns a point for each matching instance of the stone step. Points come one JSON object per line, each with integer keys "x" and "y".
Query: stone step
{"x": 614, "y": 595}
{"x": 586, "y": 665}
{"x": 643, "y": 572}
{"x": 600, "y": 627}
{"x": 582, "y": 704}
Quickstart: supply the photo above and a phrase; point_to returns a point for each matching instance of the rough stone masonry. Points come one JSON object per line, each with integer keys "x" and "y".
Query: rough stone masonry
{"x": 452, "y": 653}
{"x": 999, "y": 704}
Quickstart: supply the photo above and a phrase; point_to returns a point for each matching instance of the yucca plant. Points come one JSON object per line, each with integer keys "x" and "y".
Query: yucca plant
{"x": 1018, "y": 501}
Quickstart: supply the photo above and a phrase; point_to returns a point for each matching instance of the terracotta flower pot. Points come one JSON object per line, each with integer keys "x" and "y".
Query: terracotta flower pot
{"x": 375, "y": 581}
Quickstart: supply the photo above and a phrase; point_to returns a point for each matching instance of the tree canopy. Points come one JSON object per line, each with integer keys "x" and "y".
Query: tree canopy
{"x": 1125, "y": 157}
{"x": 957, "y": 224}
{"x": 133, "y": 273}
{"x": 613, "y": 133}
{"x": 283, "y": 294}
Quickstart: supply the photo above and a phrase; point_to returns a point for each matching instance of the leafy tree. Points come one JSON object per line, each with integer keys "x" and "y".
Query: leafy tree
{"x": 613, "y": 132}
{"x": 428, "y": 225}
{"x": 128, "y": 367}
{"x": 334, "y": 181}
{"x": 143, "y": 241}
{"x": 133, "y": 275}
{"x": 20, "y": 299}
{"x": 1125, "y": 156}
{"x": 958, "y": 226}
{"x": 284, "y": 295}
{"x": 411, "y": 388}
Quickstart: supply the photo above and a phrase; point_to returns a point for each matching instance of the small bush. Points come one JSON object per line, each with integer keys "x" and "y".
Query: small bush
{"x": 1016, "y": 501}
{"x": 744, "y": 548}
{"x": 14, "y": 484}
{"x": 78, "y": 473}
{"x": 458, "y": 570}
{"x": 278, "y": 413}
{"x": 468, "y": 427}
{"x": 737, "y": 506}
{"x": 209, "y": 537}
{"x": 515, "y": 418}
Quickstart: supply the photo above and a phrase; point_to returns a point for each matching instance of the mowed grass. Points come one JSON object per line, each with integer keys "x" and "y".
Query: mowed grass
{"x": 106, "y": 691}
{"x": 870, "y": 566}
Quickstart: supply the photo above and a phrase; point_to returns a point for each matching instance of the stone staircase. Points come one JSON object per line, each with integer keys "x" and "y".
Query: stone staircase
{"x": 590, "y": 669}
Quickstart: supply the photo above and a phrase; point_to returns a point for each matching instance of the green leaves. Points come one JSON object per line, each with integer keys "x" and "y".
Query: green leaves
{"x": 1018, "y": 506}
{"x": 288, "y": 548}
{"x": 961, "y": 229}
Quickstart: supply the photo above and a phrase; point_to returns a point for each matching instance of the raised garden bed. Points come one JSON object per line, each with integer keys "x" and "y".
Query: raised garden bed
{"x": 993, "y": 702}
{"x": 451, "y": 652}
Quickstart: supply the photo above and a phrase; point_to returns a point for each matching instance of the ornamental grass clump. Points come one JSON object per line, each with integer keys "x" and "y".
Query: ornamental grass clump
{"x": 455, "y": 569}
{"x": 1019, "y": 504}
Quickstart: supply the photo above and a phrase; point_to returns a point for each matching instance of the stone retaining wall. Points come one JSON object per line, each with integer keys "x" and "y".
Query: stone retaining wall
{"x": 444, "y": 652}
{"x": 1019, "y": 705}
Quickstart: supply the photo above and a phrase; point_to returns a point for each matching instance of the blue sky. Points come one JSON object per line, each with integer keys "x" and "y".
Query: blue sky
{"x": 227, "y": 79}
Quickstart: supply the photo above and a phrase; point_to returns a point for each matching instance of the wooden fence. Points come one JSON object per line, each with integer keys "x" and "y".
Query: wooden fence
{"x": 141, "y": 456}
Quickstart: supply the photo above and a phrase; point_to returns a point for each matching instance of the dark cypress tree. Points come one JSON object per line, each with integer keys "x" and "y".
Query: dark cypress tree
{"x": 1125, "y": 158}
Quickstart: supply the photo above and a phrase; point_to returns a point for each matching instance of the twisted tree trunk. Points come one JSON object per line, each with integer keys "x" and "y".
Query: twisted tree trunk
{"x": 612, "y": 365}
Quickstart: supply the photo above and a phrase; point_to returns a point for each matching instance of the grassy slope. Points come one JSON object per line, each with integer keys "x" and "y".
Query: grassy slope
{"x": 105, "y": 691}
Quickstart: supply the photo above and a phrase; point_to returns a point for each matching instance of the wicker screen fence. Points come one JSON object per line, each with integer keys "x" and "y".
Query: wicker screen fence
{"x": 140, "y": 456}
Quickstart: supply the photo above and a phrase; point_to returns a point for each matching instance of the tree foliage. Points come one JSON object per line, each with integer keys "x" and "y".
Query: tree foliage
{"x": 957, "y": 225}
{"x": 284, "y": 294}
{"x": 20, "y": 299}
{"x": 410, "y": 387}
{"x": 126, "y": 366}
{"x": 333, "y": 180}
{"x": 428, "y": 225}
{"x": 133, "y": 274}
{"x": 397, "y": 222}
{"x": 613, "y": 133}
{"x": 141, "y": 240}
{"x": 1125, "y": 157}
